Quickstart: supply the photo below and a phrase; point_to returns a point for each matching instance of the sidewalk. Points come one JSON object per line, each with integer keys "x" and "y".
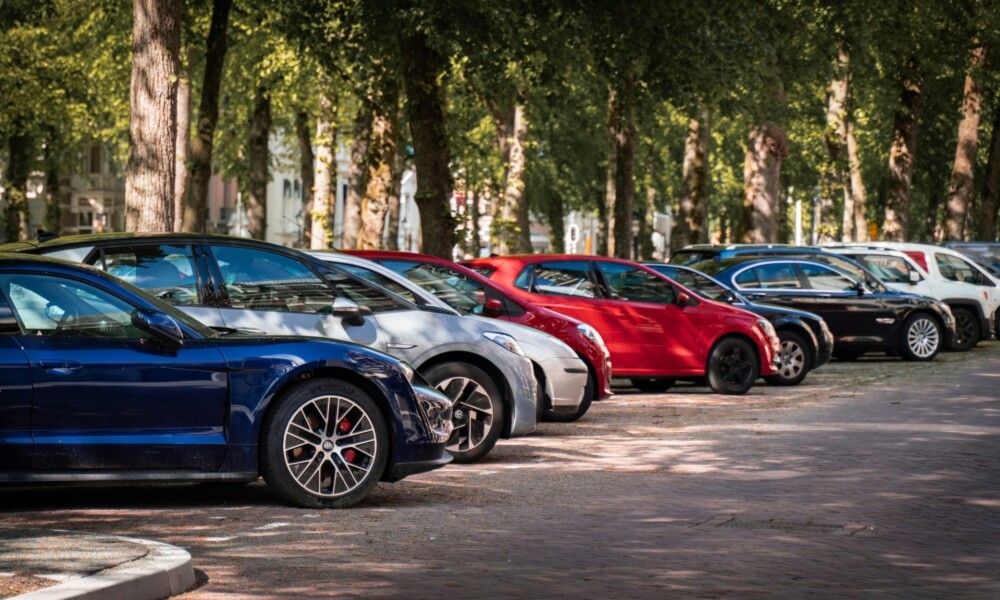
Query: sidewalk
{"x": 90, "y": 566}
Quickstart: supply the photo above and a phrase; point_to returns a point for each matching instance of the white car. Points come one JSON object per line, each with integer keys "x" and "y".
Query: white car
{"x": 562, "y": 376}
{"x": 969, "y": 290}
{"x": 244, "y": 284}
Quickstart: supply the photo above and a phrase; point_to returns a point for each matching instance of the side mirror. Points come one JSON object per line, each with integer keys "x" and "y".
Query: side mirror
{"x": 730, "y": 298}
{"x": 349, "y": 310}
{"x": 684, "y": 300}
{"x": 493, "y": 307}
{"x": 914, "y": 278}
{"x": 159, "y": 325}
{"x": 859, "y": 287}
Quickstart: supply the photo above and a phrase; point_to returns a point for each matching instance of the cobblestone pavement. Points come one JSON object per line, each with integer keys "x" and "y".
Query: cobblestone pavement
{"x": 876, "y": 479}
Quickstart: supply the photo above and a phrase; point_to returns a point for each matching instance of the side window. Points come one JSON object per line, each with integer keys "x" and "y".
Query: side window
{"x": 263, "y": 280}
{"x": 890, "y": 269}
{"x": 777, "y": 276}
{"x": 48, "y": 305}
{"x": 365, "y": 295}
{"x": 453, "y": 288}
{"x": 823, "y": 278}
{"x": 570, "y": 278}
{"x": 382, "y": 281}
{"x": 164, "y": 271}
{"x": 747, "y": 279}
{"x": 626, "y": 282}
{"x": 956, "y": 269}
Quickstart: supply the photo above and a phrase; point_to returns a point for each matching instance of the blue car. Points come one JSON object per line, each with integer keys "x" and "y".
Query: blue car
{"x": 100, "y": 381}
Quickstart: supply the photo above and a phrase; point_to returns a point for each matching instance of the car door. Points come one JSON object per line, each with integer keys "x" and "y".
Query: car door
{"x": 571, "y": 287}
{"x": 662, "y": 336}
{"x": 15, "y": 395}
{"x": 852, "y": 316}
{"x": 174, "y": 273}
{"x": 105, "y": 397}
{"x": 278, "y": 294}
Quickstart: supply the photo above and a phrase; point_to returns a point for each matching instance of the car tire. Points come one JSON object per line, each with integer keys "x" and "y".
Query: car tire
{"x": 589, "y": 392}
{"x": 966, "y": 330}
{"x": 848, "y": 355}
{"x": 312, "y": 460}
{"x": 732, "y": 367}
{"x": 795, "y": 360}
{"x": 653, "y": 385}
{"x": 479, "y": 413}
{"x": 921, "y": 338}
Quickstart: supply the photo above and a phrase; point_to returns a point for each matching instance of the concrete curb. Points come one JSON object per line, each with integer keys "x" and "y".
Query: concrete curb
{"x": 164, "y": 571}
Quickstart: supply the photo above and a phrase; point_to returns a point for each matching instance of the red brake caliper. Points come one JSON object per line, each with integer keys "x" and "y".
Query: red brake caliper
{"x": 343, "y": 427}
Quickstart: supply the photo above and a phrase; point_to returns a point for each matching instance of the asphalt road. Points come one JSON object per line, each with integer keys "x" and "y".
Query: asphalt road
{"x": 873, "y": 479}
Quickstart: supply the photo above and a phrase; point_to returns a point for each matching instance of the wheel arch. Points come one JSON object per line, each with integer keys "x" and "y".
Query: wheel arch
{"x": 347, "y": 376}
{"x": 738, "y": 335}
{"x": 976, "y": 308}
{"x": 489, "y": 368}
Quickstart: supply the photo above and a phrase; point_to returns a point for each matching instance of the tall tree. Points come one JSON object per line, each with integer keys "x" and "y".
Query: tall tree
{"x": 962, "y": 177}
{"x": 691, "y": 224}
{"x": 991, "y": 186}
{"x": 324, "y": 196}
{"x": 259, "y": 158}
{"x": 357, "y": 176}
{"x": 381, "y": 180}
{"x": 149, "y": 182}
{"x": 902, "y": 152}
{"x": 422, "y": 68}
{"x": 307, "y": 160}
{"x": 195, "y": 208}
{"x": 767, "y": 147}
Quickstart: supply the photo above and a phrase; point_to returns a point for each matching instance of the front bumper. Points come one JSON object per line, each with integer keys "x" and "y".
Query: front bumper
{"x": 435, "y": 409}
{"x": 565, "y": 382}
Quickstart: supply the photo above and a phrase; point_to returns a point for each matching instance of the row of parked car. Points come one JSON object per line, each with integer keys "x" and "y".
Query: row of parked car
{"x": 202, "y": 357}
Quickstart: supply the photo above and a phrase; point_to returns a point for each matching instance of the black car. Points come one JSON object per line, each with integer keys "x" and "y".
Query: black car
{"x": 862, "y": 319}
{"x": 806, "y": 341}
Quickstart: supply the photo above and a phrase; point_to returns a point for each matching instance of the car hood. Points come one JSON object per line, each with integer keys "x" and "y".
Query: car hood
{"x": 537, "y": 345}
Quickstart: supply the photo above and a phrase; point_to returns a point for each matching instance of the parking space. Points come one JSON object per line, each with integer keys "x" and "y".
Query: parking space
{"x": 872, "y": 479}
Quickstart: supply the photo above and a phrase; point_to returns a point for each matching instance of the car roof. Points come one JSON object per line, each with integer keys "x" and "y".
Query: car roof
{"x": 99, "y": 238}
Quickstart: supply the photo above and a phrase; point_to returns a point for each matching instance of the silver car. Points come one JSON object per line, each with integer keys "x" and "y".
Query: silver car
{"x": 246, "y": 284}
{"x": 561, "y": 375}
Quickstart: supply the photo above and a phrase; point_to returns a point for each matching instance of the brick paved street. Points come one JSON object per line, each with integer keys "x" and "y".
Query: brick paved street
{"x": 875, "y": 479}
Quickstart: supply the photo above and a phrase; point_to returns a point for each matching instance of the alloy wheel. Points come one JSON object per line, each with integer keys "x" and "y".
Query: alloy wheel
{"x": 736, "y": 366}
{"x": 965, "y": 328}
{"x": 923, "y": 337}
{"x": 330, "y": 446}
{"x": 472, "y": 414}
{"x": 793, "y": 359}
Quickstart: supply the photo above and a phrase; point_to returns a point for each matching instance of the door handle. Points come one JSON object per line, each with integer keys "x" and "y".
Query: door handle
{"x": 60, "y": 367}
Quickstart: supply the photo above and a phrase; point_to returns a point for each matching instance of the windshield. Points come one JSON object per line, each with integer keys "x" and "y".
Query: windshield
{"x": 696, "y": 282}
{"x": 450, "y": 286}
{"x": 688, "y": 257}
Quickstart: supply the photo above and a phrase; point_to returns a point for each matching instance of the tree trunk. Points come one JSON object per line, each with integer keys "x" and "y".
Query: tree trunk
{"x": 901, "y": 155}
{"x": 182, "y": 140}
{"x": 357, "y": 177}
{"x": 381, "y": 156}
{"x": 991, "y": 186}
{"x": 691, "y": 224}
{"x": 321, "y": 212}
{"x": 392, "y": 224}
{"x": 195, "y": 210}
{"x": 606, "y": 245}
{"x": 52, "y": 220}
{"x": 931, "y": 218}
{"x": 303, "y": 133}
{"x": 514, "y": 232}
{"x": 149, "y": 175}
{"x": 624, "y": 134}
{"x": 833, "y": 182}
{"x": 20, "y": 152}
{"x": 767, "y": 147}
{"x": 857, "y": 187}
{"x": 260, "y": 130}
{"x": 963, "y": 173}
{"x": 422, "y": 66}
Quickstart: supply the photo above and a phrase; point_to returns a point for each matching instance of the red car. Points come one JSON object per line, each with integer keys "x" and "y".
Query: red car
{"x": 657, "y": 330}
{"x": 469, "y": 292}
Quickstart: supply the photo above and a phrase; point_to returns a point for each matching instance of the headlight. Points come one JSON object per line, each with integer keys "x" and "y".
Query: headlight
{"x": 767, "y": 328}
{"x": 591, "y": 334}
{"x": 436, "y": 409}
{"x": 508, "y": 342}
